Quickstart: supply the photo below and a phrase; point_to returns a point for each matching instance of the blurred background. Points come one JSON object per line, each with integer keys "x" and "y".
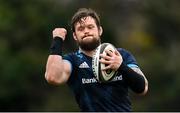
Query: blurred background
{"x": 150, "y": 29}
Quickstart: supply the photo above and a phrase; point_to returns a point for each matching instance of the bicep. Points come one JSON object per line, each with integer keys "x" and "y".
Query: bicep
{"x": 137, "y": 70}
{"x": 67, "y": 66}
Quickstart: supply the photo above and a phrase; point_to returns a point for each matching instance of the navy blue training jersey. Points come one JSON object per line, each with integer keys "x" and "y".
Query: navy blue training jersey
{"x": 92, "y": 95}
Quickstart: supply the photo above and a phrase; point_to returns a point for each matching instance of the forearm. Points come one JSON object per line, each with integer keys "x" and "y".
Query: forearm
{"x": 137, "y": 82}
{"x": 54, "y": 67}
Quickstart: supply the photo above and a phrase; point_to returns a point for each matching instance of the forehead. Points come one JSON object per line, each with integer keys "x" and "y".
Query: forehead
{"x": 85, "y": 21}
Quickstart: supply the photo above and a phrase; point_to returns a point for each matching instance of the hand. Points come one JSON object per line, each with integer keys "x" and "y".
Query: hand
{"x": 60, "y": 32}
{"x": 113, "y": 60}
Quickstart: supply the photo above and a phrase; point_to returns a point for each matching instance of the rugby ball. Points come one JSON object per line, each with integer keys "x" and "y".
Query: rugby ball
{"x": 102, "y": 76}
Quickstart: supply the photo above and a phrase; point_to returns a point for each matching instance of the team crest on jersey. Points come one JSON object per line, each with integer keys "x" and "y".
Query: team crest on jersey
{"x": 84, "y": 65}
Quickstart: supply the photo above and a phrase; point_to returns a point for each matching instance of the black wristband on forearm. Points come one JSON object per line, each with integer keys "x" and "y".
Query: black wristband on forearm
{"x": 56, "y": 46}
{"x": 135, "y": 81}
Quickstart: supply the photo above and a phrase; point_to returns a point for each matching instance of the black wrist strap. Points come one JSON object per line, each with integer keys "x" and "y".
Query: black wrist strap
{"x": 56, "y": 46}
{"x": 135, "y": 81}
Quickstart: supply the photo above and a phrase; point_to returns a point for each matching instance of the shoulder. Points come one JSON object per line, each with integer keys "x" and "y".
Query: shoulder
{"x": 124, "y": 52}
{"x": 70, "y": 56}
{"x": 73, "y": 56}
{"x": 127, "y": 56}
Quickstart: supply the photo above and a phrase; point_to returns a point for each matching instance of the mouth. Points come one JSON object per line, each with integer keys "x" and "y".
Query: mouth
{"x": 89, "y": 36}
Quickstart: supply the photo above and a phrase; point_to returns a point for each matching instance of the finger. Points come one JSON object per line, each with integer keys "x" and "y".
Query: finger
{"x": 105, "y": 61}
{"x": 60, "y": 32}
{"x": 105, "y": 57}
{"x": 109, "y": 53}
{"x": 106, "y": 68}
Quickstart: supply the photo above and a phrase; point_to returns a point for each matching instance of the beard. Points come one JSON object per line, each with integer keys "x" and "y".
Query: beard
{"x": 89, "y": 45}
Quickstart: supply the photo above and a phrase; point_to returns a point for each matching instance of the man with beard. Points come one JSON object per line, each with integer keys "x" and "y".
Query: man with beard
{"x": 75, "y": 68}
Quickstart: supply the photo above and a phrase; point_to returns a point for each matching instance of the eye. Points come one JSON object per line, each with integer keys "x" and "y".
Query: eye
{"x": 90, "y": 27}
{"x": 80, "y": 28}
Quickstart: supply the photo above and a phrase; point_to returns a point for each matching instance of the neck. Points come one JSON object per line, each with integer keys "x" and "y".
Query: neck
{"x": 88, "y": 53}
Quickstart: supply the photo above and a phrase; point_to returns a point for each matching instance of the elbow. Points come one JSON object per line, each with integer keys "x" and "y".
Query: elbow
{"x": 140, "y": 87}
{"x": 143, "y": 91}
{"x": 52, "y": 79}
{"x": 145, "y": 88}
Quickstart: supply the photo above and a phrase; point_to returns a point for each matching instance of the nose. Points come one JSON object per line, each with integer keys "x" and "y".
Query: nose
{"x": 86, "y": 31}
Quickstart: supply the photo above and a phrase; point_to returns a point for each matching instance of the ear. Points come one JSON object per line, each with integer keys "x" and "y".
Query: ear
{"x": 100, "y": 31}
{"x": 74, "y": 36}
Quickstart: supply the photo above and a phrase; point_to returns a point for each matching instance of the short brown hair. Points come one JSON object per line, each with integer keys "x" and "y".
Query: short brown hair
{"x": 84, "y": 12}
